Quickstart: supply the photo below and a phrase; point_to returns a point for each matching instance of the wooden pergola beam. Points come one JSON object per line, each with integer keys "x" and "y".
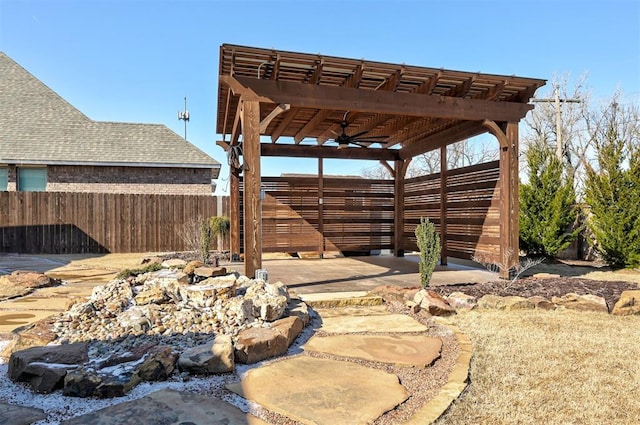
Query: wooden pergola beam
{"x": 451, "y": 135}
{"x": 372, "y": 101}
{"x": 306, "y": 151}
{"x": 251, "y": 200}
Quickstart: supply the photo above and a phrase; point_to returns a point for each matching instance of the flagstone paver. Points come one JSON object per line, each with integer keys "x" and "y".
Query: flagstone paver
{"x": 381, "y": 323}
{"x": 169, "y": 407}
{"x": 322, "y": 391}
{"x": 404, "y": 350}
{"x": 19, "y": 415}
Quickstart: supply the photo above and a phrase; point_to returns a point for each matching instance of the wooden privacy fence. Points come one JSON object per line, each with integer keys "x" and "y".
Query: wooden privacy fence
{"x": 472, "y": 210}
{"x": 66, "y": 223}
{"x": 301, "y": 214}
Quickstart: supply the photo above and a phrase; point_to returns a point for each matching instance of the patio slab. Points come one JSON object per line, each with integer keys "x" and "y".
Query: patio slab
{"x": 394, "y": 323}
{"x": 322, "y": 391}
{"x": 399, "y": 350}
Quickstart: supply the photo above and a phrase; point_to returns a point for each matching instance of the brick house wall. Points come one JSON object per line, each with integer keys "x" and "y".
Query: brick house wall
{"x": 103, "y": 179}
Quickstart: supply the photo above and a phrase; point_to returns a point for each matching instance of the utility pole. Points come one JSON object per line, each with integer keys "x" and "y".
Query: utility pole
{"x": 557, "y": 101}
{"x": 184, "y": 115}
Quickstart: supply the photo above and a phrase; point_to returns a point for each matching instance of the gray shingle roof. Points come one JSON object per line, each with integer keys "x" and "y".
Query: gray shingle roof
{"x": 37, "y": 126}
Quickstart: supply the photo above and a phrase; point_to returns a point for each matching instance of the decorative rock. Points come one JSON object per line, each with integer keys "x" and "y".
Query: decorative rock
{"x": 192, "y": 266}
{"x": 34, "y": 335}
{"x": 151, "y": 295}
{"x": 299, "y": 309}
{"x": 433, "y": 303}
{"x": 542, "y": 303}
{"x": 205, "y": 272}
{"x": 256, "y": 344}
{"x": 461, "y": 301}
{"x": 45, "y": 367}
{"x": 134, "y": 319}
{"x": 628, "y": 304}
{"x": 214, "y": 357}
{"x": 587, "y": 302}
{"x": 490, "y": 301}
{"x": 174, "y": 263}
{"x": 517, "y": 303}
{"x": 390, "y": 293}
{"x": 158, "y": 364}
{"x": 290, "y": 327}
{"x": 22, "y": 282}
{"x": 86, "y": 383}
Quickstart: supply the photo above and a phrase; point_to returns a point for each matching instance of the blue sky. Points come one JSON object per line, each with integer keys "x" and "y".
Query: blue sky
{"x": 135, "y": 61}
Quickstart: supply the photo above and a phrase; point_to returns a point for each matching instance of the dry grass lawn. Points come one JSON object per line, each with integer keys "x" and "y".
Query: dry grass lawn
{"x": 558, "y": 367}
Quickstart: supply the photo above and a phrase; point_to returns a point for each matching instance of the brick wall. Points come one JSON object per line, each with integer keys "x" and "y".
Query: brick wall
{"x": 164, "y": 181}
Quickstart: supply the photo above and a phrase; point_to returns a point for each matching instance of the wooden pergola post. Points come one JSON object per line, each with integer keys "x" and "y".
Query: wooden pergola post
{"x": 443, "y": 205}
{"x": 400, "y": 169}
{"x": 252, "y": 196}
{"x": 234, "y": 212}
{"x": 320, "y": 208}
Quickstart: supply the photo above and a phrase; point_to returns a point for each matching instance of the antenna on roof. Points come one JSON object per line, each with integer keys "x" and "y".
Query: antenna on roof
{"x": 184, "y": 115}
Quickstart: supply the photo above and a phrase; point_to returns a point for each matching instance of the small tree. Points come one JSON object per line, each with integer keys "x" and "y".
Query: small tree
{"x": 220, "y": 226}
{"x": 428, "y": 241}
{"x": 612, "y": 188}
{"x": 547, "y": 204}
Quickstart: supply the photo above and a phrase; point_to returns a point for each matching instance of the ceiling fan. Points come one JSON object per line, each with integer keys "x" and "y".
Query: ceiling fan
{"x": 344, "y": 140}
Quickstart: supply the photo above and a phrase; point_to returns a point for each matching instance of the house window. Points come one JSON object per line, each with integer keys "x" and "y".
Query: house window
{"x": 4, "y": 179}
{"x": 32, "y": 179}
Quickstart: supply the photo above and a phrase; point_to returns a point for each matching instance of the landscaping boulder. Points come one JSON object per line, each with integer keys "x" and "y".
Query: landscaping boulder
{"x": 256, "y": 344}
{"x": 628, "y": 304}
{"x": 298, "y": 308}
{"x": 587, "y": 302}
{"x": 174, "y": 263}
{"x": 433, "y": 303}
{"x": 204, "y": 272}
{"x": 290, "y": 327}
{"x": 44, "y": 368}
{"x": 461, "y": 301}
{"x": 32, "y": 335}
{"x": 391, "y": 293}
{"x": 541, "y": 303}
{"x": 192, "y": 266}
{"x": 214, "y": 357}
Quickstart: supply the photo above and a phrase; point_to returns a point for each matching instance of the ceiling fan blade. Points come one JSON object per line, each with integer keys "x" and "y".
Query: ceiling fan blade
{"x": 355, "y": 136}
{"x": 369, "y": 138}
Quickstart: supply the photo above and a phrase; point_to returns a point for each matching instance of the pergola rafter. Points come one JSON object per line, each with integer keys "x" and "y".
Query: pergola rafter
{"x": 299, "y": 100}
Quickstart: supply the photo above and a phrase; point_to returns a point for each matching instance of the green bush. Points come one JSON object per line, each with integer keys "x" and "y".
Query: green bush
{"x": 135, "y": 272}
{"x": 428, "y": 241}
{"x": 548, "y": 211}
{"x": 612, "y": 191}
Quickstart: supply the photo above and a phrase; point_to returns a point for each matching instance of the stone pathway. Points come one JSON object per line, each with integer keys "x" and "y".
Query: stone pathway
{"x": 306, "y": 388}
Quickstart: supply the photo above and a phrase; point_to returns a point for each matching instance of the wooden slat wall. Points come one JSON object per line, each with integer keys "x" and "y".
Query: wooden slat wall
{"x": 66, "y": 223}
{"x": 357, "y": 214}
{"x": 473, "y": 219}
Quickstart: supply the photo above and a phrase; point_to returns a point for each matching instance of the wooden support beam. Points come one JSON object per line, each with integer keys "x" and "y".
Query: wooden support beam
{"x": 373, "y": 101}
{"x": 443, "y": 205}
{"x": 306, "y": 151}
{"x": 237, "y": 125}
{"x": 497, "y": 131}
{"x": 234, "y": 214}
{"x": 286, "y": 120}
{"x": 276, "y": 111}
{"x": 509, "y": 200}
{"x": 252, "y": 202}
{"x": 320, "y": 207}
{"x": 400, "y": 168}
{"x": 389, "y": 168}
{"x": 451, "y": 135}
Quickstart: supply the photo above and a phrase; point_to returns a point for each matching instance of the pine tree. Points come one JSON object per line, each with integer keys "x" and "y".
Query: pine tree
{"x": 612, "y": 191}
{"x": 547, "y": 204}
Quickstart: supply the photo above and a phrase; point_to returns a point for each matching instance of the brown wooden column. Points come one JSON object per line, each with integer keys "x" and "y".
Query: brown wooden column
{"x": 400, "y": 169}
{"x": 320, "y": 208}
{"x": 234, "y": 213}
{"x": 443, "y": 205}
{"x": 509, "y": 247}
{"x": 251, "y": 200}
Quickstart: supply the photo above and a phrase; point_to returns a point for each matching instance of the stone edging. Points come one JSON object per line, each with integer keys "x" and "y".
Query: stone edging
{"x": 456, "y": 383}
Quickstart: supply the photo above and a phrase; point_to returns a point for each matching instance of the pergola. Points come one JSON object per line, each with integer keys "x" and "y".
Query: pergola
{"x": 297, "y": 102}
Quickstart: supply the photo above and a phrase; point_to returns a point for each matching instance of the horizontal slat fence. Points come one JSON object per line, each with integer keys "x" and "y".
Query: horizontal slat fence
{"x": 357, "y": 214}
{"x": 66, "y": 223}
{"x": 473, "y": 214}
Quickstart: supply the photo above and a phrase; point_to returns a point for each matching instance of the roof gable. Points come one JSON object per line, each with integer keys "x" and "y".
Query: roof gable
{"x": 39, "y": 126}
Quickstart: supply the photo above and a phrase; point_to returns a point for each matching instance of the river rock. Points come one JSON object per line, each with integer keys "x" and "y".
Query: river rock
{"x": 44, "y": 368}
{"x": 214, "y": 357}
